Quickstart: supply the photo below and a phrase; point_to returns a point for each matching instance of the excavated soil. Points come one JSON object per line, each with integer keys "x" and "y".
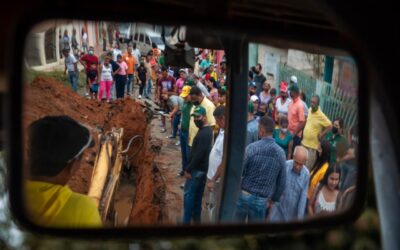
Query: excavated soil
{"x": 46, "y": 96}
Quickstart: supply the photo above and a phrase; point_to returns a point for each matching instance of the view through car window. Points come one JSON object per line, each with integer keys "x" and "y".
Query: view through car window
{"x": 125, "y": 125}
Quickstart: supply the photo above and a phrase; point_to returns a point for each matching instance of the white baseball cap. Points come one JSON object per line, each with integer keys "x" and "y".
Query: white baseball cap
{"x": 254, "y": 98}
{"x": 293, "y": 79}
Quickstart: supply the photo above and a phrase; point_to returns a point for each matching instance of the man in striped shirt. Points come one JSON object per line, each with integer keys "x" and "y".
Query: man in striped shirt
{"x": 264, "y": 175}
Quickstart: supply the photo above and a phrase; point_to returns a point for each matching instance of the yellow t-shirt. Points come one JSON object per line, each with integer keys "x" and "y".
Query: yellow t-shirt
{"x": 214, "y": 75}
{"x": 209, "y": 106}
{"x": 314, "y": 124}
{"x": 54, "y": 205}
{"x": 316, "y": 179}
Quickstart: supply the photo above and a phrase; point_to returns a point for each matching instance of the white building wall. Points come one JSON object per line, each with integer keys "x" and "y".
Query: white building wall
{"x": 270, "y": 57}
{"x": 61, "y": 26}
{"x": 300, "y": 61}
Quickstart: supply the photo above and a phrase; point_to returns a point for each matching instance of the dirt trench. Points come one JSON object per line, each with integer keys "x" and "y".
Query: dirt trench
{"x": 46, "y": 96}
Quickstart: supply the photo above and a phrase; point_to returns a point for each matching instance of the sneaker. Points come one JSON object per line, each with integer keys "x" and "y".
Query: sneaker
{"x": 178, "y": 143}
{"x": 182, "y": 186}
{"x": 163, "y": 130}
{"x": 171, "y": 137}
{"x": 180, "y": 174}
{"x": 140, "y": 97}
{"x": 86, "y": 94}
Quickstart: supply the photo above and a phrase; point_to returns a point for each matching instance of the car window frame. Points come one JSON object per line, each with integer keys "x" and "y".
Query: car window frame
{"x": 230, "y": 149}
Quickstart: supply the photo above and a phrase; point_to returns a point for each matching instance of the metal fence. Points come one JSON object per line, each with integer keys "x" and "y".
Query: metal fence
{"x": 334, "y": 102}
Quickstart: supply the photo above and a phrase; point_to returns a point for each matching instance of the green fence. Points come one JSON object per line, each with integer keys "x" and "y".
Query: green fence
{"x": 334, "y": 102}
{"x": 306, "y": 83}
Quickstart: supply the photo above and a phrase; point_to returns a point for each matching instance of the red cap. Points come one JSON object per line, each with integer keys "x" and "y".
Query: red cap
{"x": 207, "y": 76}
{"x": 283, "y": 87}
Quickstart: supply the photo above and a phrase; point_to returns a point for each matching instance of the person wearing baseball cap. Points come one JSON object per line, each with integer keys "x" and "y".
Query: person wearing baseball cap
{"x": 292, "y": 82}
{"x": 196, "y": 171}
{"x": 198, "y": 99}
{"x": 184, "y": 129}
{"x": 56, "y": 145}
{"x": 252, "y": 88}
{"x": 293, "y": 79}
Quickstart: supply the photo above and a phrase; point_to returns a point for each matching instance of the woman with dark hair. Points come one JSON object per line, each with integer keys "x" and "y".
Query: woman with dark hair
{"x": 337, "y": 140}
{"x": 283, "y": 137}
{"x": 318, "y": 171}
{"x": 271, "y": 104}
{"x": 324, "y": 197}
{"x": 212, "y": 88}
{"x": 264, "y": 97}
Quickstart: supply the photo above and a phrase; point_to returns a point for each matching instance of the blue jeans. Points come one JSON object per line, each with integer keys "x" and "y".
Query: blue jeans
{"x": 128, "y": 83}
{"x": 73, "y": 79}
{"x": 251, "y": 207}
{"x": 176, "y": 122}
{"x": 193, "y": 194}
{"x": 147, "y": 88}
{"x": 184, "y": 139}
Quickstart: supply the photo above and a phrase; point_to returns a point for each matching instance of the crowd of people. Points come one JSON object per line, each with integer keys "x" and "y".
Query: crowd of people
{"x": 297, "y": 163}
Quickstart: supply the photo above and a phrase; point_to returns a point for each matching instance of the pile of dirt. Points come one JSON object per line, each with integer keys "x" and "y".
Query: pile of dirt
{"x": 46, "y": 96}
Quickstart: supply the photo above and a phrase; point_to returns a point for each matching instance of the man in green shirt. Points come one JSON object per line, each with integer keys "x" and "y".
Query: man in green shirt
{"x": 338, "y": 142}
{"x": 161, "y": 59}
{"x": 184, "y": 132}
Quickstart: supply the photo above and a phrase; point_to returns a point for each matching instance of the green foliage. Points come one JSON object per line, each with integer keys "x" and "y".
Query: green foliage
{"x": 30, "y": 74}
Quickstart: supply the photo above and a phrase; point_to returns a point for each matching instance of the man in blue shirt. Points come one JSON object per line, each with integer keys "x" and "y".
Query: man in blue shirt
{"x": 264, "y": 175}
{"x": 252, "y": 125}
{"x": 293, "y": 201}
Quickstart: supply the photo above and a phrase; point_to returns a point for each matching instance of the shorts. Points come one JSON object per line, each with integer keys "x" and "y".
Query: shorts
{"x": 94, "y": 88}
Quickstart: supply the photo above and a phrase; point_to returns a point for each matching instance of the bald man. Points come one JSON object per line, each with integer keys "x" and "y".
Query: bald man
{"x": 293, "y": 201}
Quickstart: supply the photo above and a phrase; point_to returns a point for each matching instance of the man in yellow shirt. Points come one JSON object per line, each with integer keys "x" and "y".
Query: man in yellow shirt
{"x": 317, "y": 125}
{"x": 197, "y": 99}
{"x": 56, "y": 146}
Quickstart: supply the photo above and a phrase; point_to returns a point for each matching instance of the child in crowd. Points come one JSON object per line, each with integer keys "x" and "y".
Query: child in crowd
{"x": 92, "y": 79}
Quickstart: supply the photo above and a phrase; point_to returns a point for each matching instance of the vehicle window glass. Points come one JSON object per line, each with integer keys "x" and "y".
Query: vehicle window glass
{"x": 157, "y": 40}
{"x": 148, "y": 40}
{"x": 141, "y": 38}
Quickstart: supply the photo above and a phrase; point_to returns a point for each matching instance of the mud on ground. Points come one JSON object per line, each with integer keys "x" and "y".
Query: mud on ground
{"x": 45, "y": 96}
